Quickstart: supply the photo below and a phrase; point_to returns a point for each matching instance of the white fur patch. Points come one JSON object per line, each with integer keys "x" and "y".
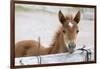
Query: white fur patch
{"x": 70, "y": 24}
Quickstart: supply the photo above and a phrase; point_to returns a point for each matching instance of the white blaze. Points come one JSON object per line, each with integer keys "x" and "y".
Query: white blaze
{"x": 70, "y": 24}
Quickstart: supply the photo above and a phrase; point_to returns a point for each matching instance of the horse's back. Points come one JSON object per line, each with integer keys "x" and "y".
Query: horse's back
{"x": 30, "y": 48}
{"x": 26, "y": 48}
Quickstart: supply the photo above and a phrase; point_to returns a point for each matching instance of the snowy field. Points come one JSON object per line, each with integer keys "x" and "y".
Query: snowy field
{"x": 33, "y": 24}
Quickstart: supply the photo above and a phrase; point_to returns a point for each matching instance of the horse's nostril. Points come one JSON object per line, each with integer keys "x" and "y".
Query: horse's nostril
{"x": 71, "y": 47}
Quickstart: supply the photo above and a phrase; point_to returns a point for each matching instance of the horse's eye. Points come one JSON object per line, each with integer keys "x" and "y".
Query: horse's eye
{"x": 77, "y": 31}
{"x": 64, "y": 31}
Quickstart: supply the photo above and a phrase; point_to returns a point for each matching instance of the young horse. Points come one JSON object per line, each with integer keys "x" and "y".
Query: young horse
{"x": 64, "y": 39}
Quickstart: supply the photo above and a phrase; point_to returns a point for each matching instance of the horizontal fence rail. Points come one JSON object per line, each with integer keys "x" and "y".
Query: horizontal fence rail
{"x": 79, "y": 55}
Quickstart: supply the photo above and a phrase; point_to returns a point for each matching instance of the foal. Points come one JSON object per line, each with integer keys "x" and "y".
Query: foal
{"x": 64, "y": 39}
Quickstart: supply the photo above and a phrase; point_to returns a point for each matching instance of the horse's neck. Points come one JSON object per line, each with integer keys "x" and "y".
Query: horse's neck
{"x": 58, "y": 46}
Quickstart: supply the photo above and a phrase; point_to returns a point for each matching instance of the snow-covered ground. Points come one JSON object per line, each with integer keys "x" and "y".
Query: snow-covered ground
{"x": 35, "y": 24}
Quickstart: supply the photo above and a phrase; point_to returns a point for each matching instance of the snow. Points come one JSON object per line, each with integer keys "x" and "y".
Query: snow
{"x": 32, "y": 26}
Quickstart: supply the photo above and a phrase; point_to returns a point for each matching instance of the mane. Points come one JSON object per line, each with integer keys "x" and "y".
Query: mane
{"x": 56, "y": 36}
{"x": 59, "y": 31}
{"x": 69, "y": 17}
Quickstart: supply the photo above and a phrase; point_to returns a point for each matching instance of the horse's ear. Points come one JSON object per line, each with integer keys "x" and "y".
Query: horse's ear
{"x": 61, "y": 17}
{"x": 77, "y": 17}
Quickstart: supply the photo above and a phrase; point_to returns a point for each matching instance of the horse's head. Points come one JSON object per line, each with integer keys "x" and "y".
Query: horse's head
{"x": 70, "y": 30}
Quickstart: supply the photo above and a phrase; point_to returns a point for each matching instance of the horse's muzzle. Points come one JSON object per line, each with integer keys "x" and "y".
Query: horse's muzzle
{"x": 71, "y": 47}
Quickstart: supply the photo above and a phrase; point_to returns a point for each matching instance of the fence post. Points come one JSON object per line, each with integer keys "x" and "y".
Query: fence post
{"x": 38, "y": 56}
